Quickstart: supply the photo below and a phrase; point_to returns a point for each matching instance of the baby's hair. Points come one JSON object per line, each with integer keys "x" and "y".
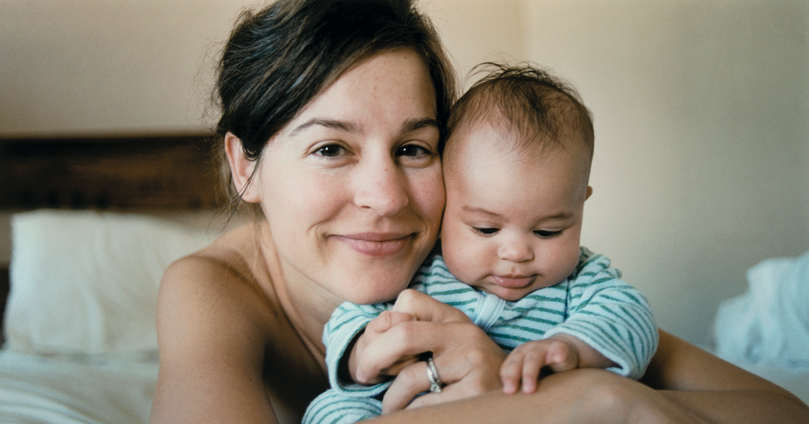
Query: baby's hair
{"x": 539, "y": 107}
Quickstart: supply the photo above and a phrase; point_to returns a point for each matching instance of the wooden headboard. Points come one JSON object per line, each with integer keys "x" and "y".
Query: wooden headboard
{"x": 174, "y": 172}
{"x": 154, "y": 173}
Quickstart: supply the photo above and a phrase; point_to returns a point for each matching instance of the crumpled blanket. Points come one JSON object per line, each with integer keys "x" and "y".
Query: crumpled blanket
{"x": 769, "y": 324}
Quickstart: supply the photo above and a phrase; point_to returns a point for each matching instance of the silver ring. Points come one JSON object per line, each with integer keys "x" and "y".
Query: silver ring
{"x": 432, "y": 374}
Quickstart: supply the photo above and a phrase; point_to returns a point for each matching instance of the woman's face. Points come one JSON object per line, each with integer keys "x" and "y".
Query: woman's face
{"x": 352, "y": 187}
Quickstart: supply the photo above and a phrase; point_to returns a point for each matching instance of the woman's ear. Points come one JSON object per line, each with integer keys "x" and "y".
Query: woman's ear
{"x": 589, "y": 192}
{"x": 241, "y": 169}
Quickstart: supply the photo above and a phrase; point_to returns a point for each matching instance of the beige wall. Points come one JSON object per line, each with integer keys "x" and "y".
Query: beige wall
{"x": 700, "y": 112}
{"x": 96, "y": 66}
{"x": 701, "y": 107}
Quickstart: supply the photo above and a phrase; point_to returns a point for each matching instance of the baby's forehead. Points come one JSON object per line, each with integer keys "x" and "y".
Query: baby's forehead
{"x": 485, "y": 148}
{"x": 498, "y": 138}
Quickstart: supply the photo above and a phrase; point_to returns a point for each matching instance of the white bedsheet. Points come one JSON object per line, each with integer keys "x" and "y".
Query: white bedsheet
{"x": 770, "y": 322}
{"x": 76, "y": 389}
{"x": 766, "y": 329}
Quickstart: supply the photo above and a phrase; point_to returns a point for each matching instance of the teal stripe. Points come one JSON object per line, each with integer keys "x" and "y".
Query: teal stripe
{"x": 432, "y": 272}
{"x": 502, "y": 336}
{"x": 637, "y": 346}
{"x": 535, "y": 319}
{"x": 460, "y": 303}
{"x": 532, "y": 330}
{"x": 440, "y": 293}
{"x": 540, "y": 298}
{"x": 339, "y": 325}
{"x": 524, "y": 311}
{"x": 604, "y": 338}
{"x": 631, "y": 320}
{"x": 601, "y": 280}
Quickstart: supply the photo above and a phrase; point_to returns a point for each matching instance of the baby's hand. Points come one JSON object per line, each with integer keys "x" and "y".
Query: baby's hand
{"x": 379, "y": 325}
{"x": 526, "y": 361}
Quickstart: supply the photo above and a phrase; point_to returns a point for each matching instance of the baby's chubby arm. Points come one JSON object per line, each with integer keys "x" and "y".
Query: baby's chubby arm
{"x": 560, "y": 352}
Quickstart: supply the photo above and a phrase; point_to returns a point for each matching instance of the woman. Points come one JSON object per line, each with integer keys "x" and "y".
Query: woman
{"x": 332, "y": 122}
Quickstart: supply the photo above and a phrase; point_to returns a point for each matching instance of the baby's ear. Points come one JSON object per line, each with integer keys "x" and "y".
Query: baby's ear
{"x": 241, "y": 169}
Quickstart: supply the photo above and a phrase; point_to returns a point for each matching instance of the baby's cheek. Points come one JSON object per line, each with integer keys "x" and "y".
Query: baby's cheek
{"x": 453, "y": 250}
{"x": 466, "y": 259}
{"x": 568, "y": 259}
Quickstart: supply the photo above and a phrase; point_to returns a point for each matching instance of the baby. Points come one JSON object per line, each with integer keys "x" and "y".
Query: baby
{"x": 516, "y": 170}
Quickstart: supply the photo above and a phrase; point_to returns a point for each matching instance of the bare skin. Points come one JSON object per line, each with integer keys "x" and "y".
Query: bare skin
{"x": 353, "y": 193}
{"x": 234, "y": 347}
{"x": 230, "y": 344}
{"x": 521, "y": 369}
{"x": 561, "y": 352}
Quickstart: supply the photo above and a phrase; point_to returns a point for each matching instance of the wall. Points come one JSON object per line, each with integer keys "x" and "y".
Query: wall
{"x": 805, "y": 104}
{"x": 702, "y": 158}
{"x": 95, "y": 66}
{"x": 700, "y": 112}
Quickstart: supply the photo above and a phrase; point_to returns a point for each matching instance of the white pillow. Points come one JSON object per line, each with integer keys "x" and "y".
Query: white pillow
{"x": 86, "y": 282}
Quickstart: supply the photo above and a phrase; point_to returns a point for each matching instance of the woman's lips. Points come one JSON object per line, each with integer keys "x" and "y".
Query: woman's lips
{"x": 376, "y": 244}
{"x": 513, "y": 281}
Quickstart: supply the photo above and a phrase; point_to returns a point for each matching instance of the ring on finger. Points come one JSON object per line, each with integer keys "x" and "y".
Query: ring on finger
{"x": 432, "y": 375}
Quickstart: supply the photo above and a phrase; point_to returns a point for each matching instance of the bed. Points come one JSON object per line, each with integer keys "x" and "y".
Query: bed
{"x": 766, "y": 329}
{"x": 97, "y": 220}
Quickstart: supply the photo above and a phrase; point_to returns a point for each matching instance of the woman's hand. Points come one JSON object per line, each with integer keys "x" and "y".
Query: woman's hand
{"x": 467, "y": 360}
{"x": 377, "y": 327}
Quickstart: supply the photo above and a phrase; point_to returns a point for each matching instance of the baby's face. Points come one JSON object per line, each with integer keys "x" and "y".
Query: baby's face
{"x": 512, "y": 222}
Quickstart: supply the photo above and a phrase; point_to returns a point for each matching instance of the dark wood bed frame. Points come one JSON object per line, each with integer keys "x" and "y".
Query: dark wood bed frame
{"x": 144, "y": 172}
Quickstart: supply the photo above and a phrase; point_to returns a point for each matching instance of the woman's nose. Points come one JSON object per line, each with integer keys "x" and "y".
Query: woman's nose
{"x": 515, "y": 249}
{"x": 380, "y": 186}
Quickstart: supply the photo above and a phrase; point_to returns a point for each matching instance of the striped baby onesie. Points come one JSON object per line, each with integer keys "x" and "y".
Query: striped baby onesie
{"x": 593, "y": 304}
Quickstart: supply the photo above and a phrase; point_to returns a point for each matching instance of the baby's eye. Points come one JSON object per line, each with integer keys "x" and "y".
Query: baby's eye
{"x": 331, "y": 150}
{"x": 547, "y": 234}
{"x": 486, "y": 231}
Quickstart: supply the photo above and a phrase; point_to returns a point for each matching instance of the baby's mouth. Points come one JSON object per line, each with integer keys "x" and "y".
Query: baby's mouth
{"x": 513, "y": 281}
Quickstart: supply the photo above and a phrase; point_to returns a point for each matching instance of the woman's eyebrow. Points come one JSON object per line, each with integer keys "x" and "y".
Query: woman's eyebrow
{"x": 328, "y": 123}
{"x": 418, "y": 123}
{"x": 408, "y": 126}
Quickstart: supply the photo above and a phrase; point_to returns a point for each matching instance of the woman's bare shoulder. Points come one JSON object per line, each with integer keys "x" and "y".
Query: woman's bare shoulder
{"x": 220, "y": 284}
{"x": 214, "y": 333}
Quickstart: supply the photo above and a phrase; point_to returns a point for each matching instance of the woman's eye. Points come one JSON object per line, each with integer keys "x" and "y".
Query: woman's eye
{"x": 486, "y": 231}
{"x": 412, "y": 150}
{"x": 332, "y": 150}
{"x": 547, "y": 234}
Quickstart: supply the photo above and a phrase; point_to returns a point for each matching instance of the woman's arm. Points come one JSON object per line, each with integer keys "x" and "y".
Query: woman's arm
{"x": 716, "y": 390}
{"x": 211, "y": 354}
{"x": 683, "y": 384}
{"x": 722, "y": 394}
{"x": 574, "y": 397}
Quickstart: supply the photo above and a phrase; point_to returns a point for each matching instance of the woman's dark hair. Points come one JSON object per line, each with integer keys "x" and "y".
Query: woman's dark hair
{"x": 278, "y": 59}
